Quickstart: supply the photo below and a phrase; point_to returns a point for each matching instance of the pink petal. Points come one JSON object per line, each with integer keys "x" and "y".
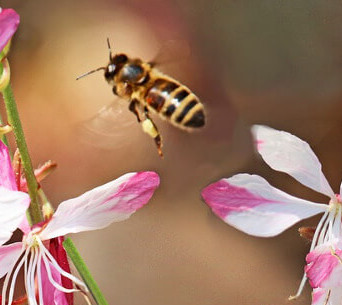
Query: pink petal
{"x": 25, "y": 226}
{"x": 96, "y": 209}
{"x": 51, "y": 295}
{"x": 9, "y": 22}
{"x": 7, "y": 178}
{"x": 326, "y": 296}
{"x": 57, "y": 251}
{"x": 13, "y": 205}
{"x": 324, "y": 269}
{"x": 319, "y": 296}
{"x": 9, "y": 255}
{"x": 286, "y": 153}
{"x": 250, "y": 204}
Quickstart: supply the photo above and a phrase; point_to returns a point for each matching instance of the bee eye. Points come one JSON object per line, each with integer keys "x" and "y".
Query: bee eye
{"x": 120, "y": 59}
{"x": 110, "y": 71}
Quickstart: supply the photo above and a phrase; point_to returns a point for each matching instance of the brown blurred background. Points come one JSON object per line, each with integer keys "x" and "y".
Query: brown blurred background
{"x": 275, "y": 62}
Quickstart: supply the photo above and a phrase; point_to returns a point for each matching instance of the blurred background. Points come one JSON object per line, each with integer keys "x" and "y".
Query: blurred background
{"x": 276, "y": 62}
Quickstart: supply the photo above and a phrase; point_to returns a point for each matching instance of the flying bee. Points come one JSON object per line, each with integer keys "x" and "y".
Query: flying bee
{"x": 147, "y": 89}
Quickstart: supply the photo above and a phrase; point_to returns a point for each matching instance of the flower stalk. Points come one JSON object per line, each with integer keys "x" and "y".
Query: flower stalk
{"x": 34, "y": 212}
{"x": 82, "y": 269}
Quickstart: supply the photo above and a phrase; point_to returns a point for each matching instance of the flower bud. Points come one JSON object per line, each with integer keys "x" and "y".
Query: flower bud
{"x": 5, "y": 74}
{"x": 5, "y": 129}
{"x": 9, "y": 22}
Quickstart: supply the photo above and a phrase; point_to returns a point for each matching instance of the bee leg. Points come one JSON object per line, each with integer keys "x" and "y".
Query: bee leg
{"x": 133, "y": 108}
{"x": 151, "y": 129}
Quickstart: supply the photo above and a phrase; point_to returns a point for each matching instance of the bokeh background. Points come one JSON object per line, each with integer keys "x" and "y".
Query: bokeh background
{"x": 275, "y": 62}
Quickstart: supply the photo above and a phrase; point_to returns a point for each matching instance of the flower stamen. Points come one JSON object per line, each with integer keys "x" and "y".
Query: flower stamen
{"x": 324, "y": 231}
{"x": 47, "y": 255}
{"x": 31, "y": 275}
{"x": 300, "y": 289}
{"x": 318, "y": 231}
{"x": 39, "y": 278}
{"x": 28, "y": 284}
{"x": 14, "y": 279}
{"x": 47, "y": 259}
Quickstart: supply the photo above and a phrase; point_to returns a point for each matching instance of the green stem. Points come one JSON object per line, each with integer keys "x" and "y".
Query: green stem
{"x": 34, "y": 211}
{"x": 84, "y": 272}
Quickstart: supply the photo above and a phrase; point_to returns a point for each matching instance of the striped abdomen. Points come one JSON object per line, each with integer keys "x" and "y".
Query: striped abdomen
{"x": 175, "y": 102}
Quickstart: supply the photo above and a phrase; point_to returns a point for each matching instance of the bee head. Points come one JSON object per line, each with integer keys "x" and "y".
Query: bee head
{"x": 115, "y": 64}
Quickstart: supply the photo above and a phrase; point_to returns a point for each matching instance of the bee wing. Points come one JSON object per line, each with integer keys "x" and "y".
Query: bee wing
{"x": 171, "y": 51}
{"x": 108, "y": 128}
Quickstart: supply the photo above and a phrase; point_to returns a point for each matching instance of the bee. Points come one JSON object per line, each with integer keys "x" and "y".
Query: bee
{"x": 149, "y": 90}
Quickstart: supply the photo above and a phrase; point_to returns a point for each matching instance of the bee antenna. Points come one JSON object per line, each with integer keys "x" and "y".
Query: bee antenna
{"x": 90, "y": 72}
{"x": 110, "y": 50}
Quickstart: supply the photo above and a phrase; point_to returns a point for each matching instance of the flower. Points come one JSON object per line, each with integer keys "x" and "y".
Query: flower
{"x": 9, "y": 22}
{"x": 252, "y": 205}
{"x": 38, "y": 253}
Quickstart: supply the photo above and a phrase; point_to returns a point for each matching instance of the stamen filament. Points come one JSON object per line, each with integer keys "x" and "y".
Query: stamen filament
{"x": 39, "y": 278}
{"x": 52, "y": 281}
{"x": 318, "y": 229}
{"x": 25, "y": 269}
{"x": 300, "y": 289}
{"x": 59, "y": 269}
{"x": 324, "y": 229}
{"x": 33, "y": 273}
{"x": 14, "y": 279}
{"x": 337, "y": 223}
{"x": 30, "y": 296}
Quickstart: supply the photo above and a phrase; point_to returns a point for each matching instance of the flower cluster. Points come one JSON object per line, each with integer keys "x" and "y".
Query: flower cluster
{"x": 95, "y": 209}
{"x": 252, "y": 205}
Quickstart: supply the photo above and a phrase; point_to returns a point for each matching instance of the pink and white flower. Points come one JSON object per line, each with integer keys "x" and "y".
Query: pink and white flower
{"x": 95, "y": 209}
{"x": 250, "y": 204}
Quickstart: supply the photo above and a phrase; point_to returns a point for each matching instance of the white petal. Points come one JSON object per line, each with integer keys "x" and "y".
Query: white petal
{"x": 250, "y": 204}
{"x": 9, "y": 255}
{"x": 13, "y": 205}
{"x": 96, "y": 209}
{"x": 286, "y": 153}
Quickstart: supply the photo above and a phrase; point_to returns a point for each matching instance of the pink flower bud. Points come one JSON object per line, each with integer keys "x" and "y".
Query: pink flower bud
{"x": 9, "y": 22}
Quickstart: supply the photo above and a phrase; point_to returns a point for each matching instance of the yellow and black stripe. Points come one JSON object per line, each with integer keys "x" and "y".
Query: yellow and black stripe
{"x": 176, "y": 103}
